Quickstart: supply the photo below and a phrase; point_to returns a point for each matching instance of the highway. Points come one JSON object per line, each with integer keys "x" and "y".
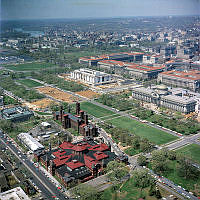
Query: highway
{"x": 48, "y": 189}
{"x": 162, "y": 181}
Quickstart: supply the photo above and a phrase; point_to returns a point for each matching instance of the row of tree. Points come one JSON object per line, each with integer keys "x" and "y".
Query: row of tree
{"x": 7, "y": 83}
{"x": 185, "y": 127}
{"x": 161, "y": 163}
{"x": 128, "y": 139}
{"x": 119, "y": 102}
{"x": 50, "y": 78}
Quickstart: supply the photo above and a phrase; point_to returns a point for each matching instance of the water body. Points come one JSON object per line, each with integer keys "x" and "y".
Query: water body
{"x": 32, "y": 33}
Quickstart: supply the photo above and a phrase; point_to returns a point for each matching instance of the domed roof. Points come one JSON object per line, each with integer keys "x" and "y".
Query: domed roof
{"x": 162, "y": 87}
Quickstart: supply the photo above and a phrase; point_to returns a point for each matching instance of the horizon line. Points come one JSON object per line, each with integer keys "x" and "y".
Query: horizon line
{"x": 114, "y": 17}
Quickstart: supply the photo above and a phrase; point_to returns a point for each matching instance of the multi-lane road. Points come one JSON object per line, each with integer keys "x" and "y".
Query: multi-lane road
{"x": 162, "y": 181}
{"x": 49, "y": 190}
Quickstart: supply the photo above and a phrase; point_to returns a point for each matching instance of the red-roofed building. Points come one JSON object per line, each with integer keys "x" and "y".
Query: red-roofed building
{"x": 61, "y": 161}
{"x": 100, "y": 155}
{"x": 74, "y": 164}
{"x": 79, "y": 122}
{"x": 99, "y": 147}
{"x": 66, "y": 145}
{"x": 185, "y": 79}
{"x": 78, "y": 162}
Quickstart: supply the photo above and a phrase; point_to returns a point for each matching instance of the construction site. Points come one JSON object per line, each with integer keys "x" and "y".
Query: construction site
{"x": 57, "y": 94}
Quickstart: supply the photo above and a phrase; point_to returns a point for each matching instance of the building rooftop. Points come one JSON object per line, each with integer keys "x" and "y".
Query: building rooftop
{"x": 30, "y": 142}
{"x": 190, "y": 75}
{"x": 178, "y": 99}
{"x": 15, "y": 113}
{"x": 16, "y": 194}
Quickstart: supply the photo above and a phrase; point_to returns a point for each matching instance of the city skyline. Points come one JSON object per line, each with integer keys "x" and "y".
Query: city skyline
{"x": 45, "y": 9}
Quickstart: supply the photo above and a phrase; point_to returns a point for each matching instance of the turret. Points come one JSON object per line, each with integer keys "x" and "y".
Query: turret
{"x": 77, "y": 108}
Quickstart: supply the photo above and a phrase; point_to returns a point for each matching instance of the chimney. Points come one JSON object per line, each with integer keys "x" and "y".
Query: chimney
{"x": 65, "y": 122}
{"x": 61, "y": 113}
{"x": 82, "y": 114}
{"x": 77, "y": 108}
{"x": 86, "y": 118}
{"x": 69, "y": 109}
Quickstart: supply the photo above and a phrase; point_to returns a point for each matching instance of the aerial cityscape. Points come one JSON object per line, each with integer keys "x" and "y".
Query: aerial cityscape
{"x": 100, "y": 100}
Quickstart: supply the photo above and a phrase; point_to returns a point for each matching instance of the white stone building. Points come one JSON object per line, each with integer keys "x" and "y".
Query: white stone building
{"x": 160, "y": 96}
{"x": 15, "y": 194}
{"x": 91, "y": 77}
{"x": 30, "y": 142}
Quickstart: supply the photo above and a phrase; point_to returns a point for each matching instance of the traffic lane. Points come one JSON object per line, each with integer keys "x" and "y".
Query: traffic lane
{"x": 54, "y": 190}
{"x": 44, "y": 190}
{"x": 44, "y": 179}
{"x": 173, "y": 186}
{"x": 178, "y": 188}
{"x": 170, "y": 190}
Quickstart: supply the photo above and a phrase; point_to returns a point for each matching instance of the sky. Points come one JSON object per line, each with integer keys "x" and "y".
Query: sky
{"x": 45, "y": 9}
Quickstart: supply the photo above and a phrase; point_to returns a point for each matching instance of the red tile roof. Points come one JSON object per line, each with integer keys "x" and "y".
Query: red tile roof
{"x": 99, "y": 147}
{"x": 191, "y": 75}
{"x": 58, "y": 154}
{"x": 59, "y": 162}
{"x": 79, "y": 147}
{"x": 74, "y": 164}
{"x": 100, "y": 155}
{"x": 66, "y": 145}
{"x": 90, "y": 161}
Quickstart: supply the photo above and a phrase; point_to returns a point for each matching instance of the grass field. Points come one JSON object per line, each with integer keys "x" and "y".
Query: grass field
{"x": 132, "y": 151}
{"x": 173, "y": 176}
{"x": 29, "y": 83}
{"x": 94, "y": 110}
{"x": 129, "y": 192}
{"x": 192, "y": 151}
{"x": 8, "y": 100}
{"x": 154, "y": 135}
{"x": 29, "y": 66}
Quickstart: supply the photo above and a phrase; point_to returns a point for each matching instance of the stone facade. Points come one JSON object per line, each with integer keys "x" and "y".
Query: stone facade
{"x": 92, "y": 77}
{"x": 189, "y": 79}
{"x": 162, "y": 97}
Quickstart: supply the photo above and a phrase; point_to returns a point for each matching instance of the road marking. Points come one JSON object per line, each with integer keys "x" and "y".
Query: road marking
{"x": 29, "y": 169}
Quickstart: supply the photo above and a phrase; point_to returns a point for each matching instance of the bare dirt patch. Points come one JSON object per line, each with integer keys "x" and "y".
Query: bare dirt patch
{"x": 58, "y": 94}
{"x": 88, "y": 94}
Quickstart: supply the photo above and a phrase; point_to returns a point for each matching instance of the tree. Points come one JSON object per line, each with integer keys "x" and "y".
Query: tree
{"x": 54, "y": 107}
{"x": 86, "y": 192}
{"x": 159, "y": 161}
{"x": 158, "y": 194}
{"x": 152, "y": 190}
{"x": 186, "y": 169}
{"x": 142, "y": 179}
{"x": 135, "y": 142}
{"x": 117, "y": 171}
{"x": 145, "y": 145}
{"x": 141, "y": 160}
{"x": 6, "y": 126}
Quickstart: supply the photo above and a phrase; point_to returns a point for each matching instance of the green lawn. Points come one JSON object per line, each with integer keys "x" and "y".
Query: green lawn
{"x": 29, "y": 66}
{"x": 152, "y": 134}
{"x": 110, "y": 117}
{"x": 132, "y": 151}
{"x": 129, "y": 192}
{"x": 29, "y": 83}
{"x": 8, "y": 100}
{"x": 173, "y": 176}
{"x": 192, "y": 151}
{"x": 94, "y": 110}
{"x": 42, "y": 113}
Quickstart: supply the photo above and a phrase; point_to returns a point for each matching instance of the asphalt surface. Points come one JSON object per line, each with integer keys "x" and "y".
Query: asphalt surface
{"x": 48, "y": 189}
{"x": 162, "y": 181}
